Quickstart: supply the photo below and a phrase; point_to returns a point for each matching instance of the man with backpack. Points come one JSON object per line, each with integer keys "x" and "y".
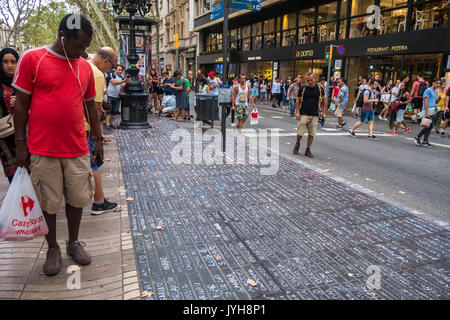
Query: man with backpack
{"x": 367, "y": 109}
{"x": 360, "y": 96}
{"x": 417, "y": 92}
{"x": 310, "y": 101}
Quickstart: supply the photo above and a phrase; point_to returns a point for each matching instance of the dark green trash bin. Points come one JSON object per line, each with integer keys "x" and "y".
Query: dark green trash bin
{"x": 207, "y": 106}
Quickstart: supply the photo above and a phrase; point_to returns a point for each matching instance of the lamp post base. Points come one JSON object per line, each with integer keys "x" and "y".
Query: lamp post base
{"x": 134, "y": 111}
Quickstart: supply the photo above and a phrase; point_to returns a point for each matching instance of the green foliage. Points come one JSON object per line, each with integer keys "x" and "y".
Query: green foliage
{"x": 42, "y": 26}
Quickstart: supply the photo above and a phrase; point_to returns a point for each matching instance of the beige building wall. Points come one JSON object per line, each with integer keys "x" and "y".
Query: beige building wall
{"x": 177, "y": 17}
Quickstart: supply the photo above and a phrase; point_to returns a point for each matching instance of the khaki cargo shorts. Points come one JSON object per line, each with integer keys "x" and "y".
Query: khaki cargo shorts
{"x": 54, "y": 177}
{"x": 339, "y": 112}
{"x": 308, "y": 124}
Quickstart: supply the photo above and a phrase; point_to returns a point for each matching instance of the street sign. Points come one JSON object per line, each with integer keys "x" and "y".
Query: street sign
{"x": 253, "y": 5}
{"x": 217, "y": 10}
{"x": 341, "y": 50}
{"x": 338, "y": 64}
{"x": 176, "y": 41}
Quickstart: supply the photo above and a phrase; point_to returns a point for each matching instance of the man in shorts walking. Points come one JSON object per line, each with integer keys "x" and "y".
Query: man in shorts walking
{"x": 367, "y": 110}
{"x": 240, "y": 97}
{"x": 417, "y": 91}
{"x": 310, "y": 101}
{"x": 341, "y": 102}
{"x": 54, "y": 83}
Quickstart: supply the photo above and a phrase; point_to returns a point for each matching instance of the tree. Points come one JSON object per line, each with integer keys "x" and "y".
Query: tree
{"x": 42, "y": 28}
{"x": 15, "y": 14}
{"x": 101, "y": 16}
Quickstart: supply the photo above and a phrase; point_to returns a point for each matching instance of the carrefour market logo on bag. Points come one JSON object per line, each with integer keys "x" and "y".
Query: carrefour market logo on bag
{"x": 27, "y": 204}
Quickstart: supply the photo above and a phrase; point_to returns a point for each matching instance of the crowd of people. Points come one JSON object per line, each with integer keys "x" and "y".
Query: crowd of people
{"x": 170, "y": 94}
{"x": 59, "y": 125}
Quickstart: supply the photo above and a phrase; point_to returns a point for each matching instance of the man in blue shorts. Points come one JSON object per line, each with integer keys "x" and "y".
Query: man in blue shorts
{"x": 367, "y": 110}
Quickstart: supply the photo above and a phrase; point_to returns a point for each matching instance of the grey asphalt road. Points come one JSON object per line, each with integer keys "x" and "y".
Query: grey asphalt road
{"x": 393, "y": 166}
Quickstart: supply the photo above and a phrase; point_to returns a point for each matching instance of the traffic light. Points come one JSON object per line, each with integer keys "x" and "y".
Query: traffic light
{"x": 329, "y": 52}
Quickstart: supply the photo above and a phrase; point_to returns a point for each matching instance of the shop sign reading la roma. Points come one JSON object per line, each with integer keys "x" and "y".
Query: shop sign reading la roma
{"x": 303, "y": 53}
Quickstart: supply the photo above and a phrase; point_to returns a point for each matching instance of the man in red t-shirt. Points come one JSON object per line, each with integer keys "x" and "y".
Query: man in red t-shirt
{"x": 417, "y": 93}
{"x": 55, "y": 89}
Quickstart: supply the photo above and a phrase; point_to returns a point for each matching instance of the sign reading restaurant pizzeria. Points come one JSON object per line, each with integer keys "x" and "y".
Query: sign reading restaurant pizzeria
{"x": 387, "y": 49}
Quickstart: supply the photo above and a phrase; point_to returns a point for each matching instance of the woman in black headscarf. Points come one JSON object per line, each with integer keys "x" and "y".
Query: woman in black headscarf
{"x": 8, "y": 63}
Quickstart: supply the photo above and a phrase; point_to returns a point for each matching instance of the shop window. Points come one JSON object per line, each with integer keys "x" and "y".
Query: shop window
{"x": 391, "y": 4}
{"x": 327, "y": 31}
{"x": 320, "y": 68}
{"x": 289, "y": 26}
{"x": 246, "y": 40}
{"x": 358, "y": 28}
{"x": 278, "y": 40}
{"x": 359, "y": 7}
{"x": 306, "y": 17}
{"x": 257, "y": 42}
{"x": 393, "y": 21}
{"x": 257, "y": 36}
{"x": 302, "y": 67}
{"x": 269, "y": 33}
{"x": 214, "y": 42}
{"x": 327, "y": 12}
{"x": 344, "y": 4}
{"x": 429, "y": 14}
{"x": 202, "y": 7}
{"x": 235, "y": 37}
{"x": 289, "y": 38}
{"x": 257, "y": 29}
{"x": 342, "y": 28}
{"x": 287, "y": 69}
{"x": 306, "y": 26}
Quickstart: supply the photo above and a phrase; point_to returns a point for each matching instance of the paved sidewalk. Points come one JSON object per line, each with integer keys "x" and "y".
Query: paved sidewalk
{"x": 112, "y": 273}
{"x": 230, "y": 233}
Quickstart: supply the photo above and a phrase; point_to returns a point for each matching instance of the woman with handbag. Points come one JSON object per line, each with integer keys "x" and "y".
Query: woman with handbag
{"x": 385, "y": 99}
{"x": 399, "y": 106}
{"x": 8, "y": 59}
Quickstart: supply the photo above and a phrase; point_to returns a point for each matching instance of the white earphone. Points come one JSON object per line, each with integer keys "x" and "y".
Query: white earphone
{"x": 77, "y": 77}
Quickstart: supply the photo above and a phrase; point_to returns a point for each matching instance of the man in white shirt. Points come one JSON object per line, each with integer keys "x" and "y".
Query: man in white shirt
{"x": 276, "y": 93}
{"x": 213, "y": 84}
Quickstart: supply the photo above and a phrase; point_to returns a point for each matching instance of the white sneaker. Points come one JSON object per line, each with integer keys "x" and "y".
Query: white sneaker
{"x": 385, "y": 119}
{"x": 234, "y": 124}
{"x": 379, "y": 117}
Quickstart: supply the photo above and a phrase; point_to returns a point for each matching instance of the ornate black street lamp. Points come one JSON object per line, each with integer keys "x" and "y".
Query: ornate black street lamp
{"x": 134, "y": 99}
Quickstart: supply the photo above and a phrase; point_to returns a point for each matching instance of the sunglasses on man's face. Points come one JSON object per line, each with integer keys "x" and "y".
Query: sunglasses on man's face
{"x": 113, "y": 66}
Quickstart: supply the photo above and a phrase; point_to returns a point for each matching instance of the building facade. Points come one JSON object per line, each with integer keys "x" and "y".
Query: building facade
{"x": 389, "y": 38}
{"x": 176, "y": 17}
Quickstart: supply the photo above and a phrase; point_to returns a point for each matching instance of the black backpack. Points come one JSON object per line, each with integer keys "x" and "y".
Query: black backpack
{"x": 422, "y": 87}
{"x": 360, "y": 101}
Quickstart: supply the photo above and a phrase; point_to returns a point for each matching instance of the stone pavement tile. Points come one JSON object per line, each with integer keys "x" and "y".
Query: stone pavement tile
{"x": 297, "y": 239}
{"x": 131, "y": 295}
{"x": 9, "y": 294}
{"x": 88, "y": 293}
{"x": 21, "y": 263}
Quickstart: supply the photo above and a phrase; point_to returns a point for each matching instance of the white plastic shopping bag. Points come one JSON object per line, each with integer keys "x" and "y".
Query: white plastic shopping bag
{"x": 21, "y": 216}
{"x": 354, "y": 109}
{"x": 254, "y": 117}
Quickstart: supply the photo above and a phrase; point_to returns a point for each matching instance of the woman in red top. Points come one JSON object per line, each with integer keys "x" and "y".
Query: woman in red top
{"x": 8, "y": 59}
{"x": 336, "y": 90}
